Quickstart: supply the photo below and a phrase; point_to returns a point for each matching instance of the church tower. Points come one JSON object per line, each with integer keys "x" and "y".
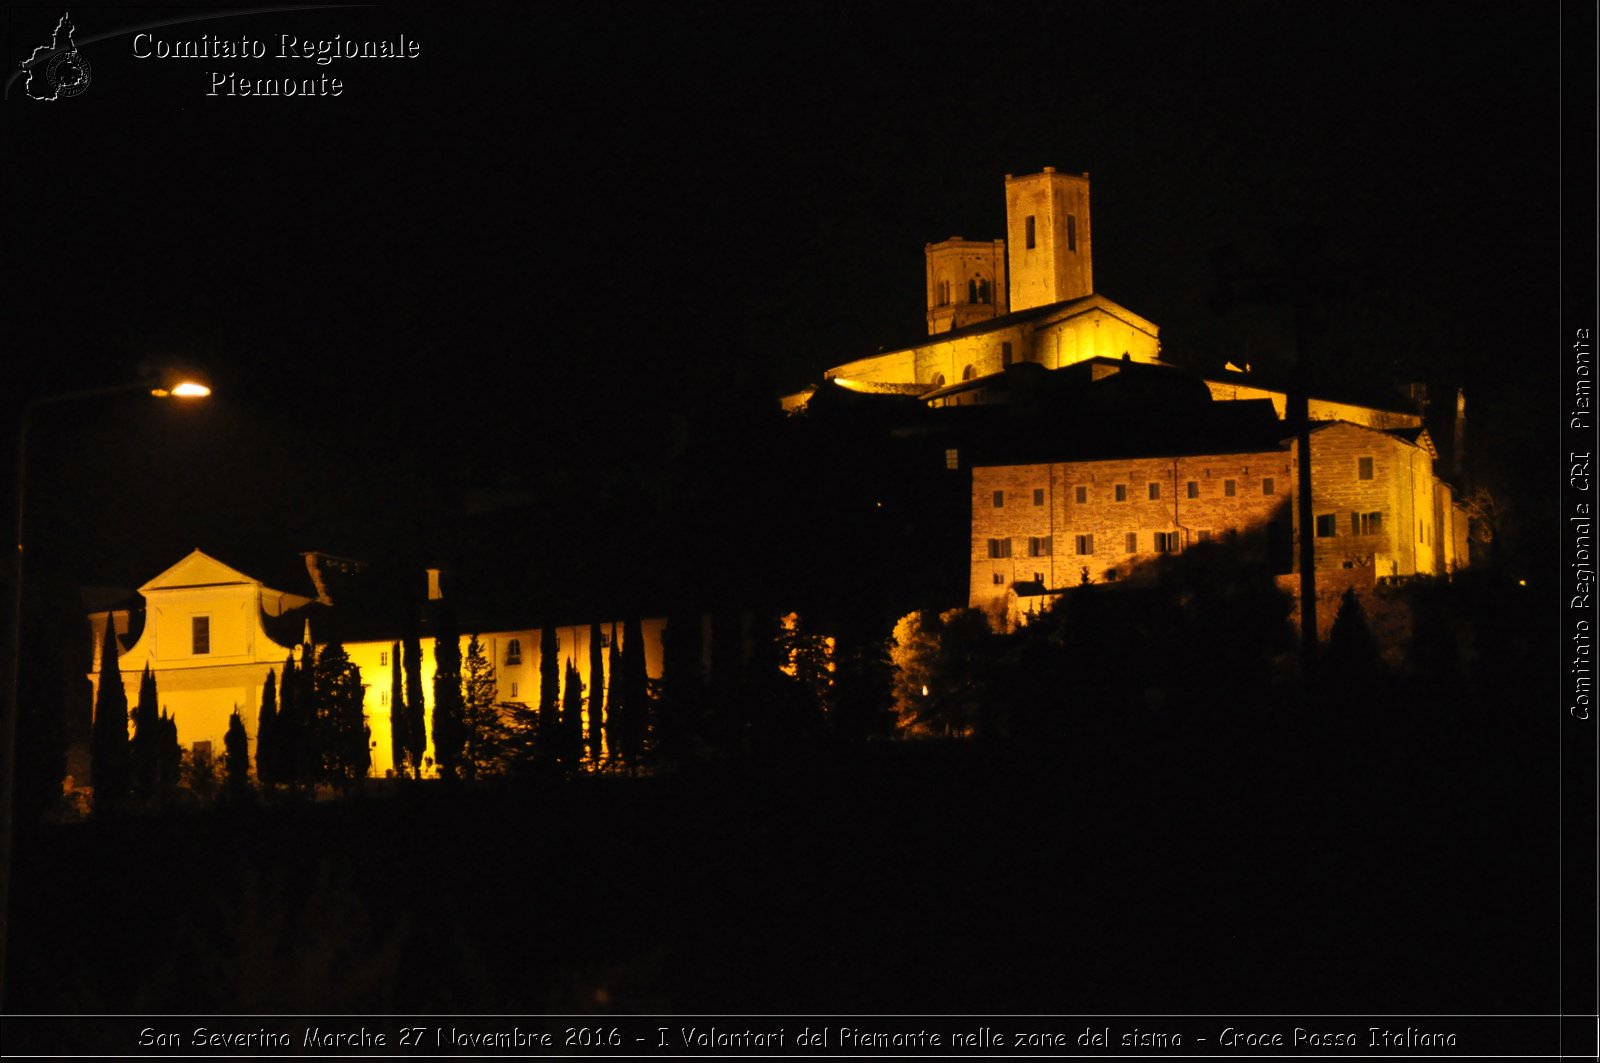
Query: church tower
{"x": 1047, "y": 226}
{"x": 966, "y": 282}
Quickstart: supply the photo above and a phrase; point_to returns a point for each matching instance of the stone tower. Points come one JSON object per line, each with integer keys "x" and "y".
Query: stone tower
{"x": 1047, "y": 226}
{"x": 966, "y": 282}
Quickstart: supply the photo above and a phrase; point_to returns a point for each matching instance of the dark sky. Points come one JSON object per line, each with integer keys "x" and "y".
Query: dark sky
{"x": 520, "y": 248}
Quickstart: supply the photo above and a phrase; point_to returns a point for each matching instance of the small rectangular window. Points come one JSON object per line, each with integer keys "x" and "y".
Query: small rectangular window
{"x": 1366, "y": 523}
{"x": 1072, "y": 232}
{"x": 513, "y": 690}
{"x": 1038, "y": 546}
{"x": 1192, "y": 489}
{"x": 1038, "y": 496}
{"x": 1005, "y": 354}
{"x": 1080, "y": 495}
{"x": 1155, "y": 491}
{"x": 1166, "y": 542}
{"x": 1363, "y": 468}
{"x": 952, "y": 458}
{"x": 1111, "y": 575}
{"x": 1028, "y": 226}
{"x": 1230, "y": 488}
{"x": 1122, "y": 492}
{"x": 1132, "y": 543}
{"x": 200, "y": 635}
{"x": 383, "y": 658}
{"x": 998, "y": 579}
{"x": 1326, "y": 526}
{"x": 999, "y": 499}
{"x": 383, "y": 698}
{"x": 999, "y": 548}
{"x": 1202, "y": 536}
{"x": 1269, "y": 486}
{"x": 1085, "y": 544}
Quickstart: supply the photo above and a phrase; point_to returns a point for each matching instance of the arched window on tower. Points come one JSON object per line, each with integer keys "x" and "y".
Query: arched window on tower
{"x": 972, "y": 291}
{"x": 968, "y": 373}
{"x": 983, "y": 290}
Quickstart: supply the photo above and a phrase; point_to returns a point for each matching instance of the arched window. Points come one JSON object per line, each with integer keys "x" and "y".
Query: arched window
{"x": 968, "y": 373}
{"x": 938, "y": 380}
{"x": 983, "y": 290}
{"x": 972, "y": 291}
{"x": 514, "y": 651}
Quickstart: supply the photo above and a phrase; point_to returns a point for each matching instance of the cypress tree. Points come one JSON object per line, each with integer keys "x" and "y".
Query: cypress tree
{"x": 597, "y": 689}
{"x": 312, "y": 737}
{"x": 399, "y": 741}
{"x": 549, "y": 683}
{"x": 266, "y": 731}
{"x": 483, "y": 741}
{"x": 613, "y": 691}
{"x": 237, "y": 743}
{"x": 169, "y": 754}
{"x": 416, "y": 698}
{"x": 108, "y": 744}
{"x": 143, "y": 750}
{"x": 571, "y": 740}
{"x": 633, "y": 710}
{"x": 346, "y": 754}
{"x": 448, "y": 728}
{"x": 286, "y": 733}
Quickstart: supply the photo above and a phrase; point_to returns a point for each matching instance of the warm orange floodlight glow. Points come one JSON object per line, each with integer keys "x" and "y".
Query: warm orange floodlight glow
{"x": 188, "y": 389}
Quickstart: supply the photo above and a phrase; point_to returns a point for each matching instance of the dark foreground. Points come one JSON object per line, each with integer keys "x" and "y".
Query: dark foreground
{"x": 1263, "y": 865}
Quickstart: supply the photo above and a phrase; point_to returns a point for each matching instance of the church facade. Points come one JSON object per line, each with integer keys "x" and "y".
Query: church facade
{"x": 212, "y": 635}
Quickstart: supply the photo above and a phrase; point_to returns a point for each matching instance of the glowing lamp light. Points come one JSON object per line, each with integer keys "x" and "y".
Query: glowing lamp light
{"x": 186, "y": 389}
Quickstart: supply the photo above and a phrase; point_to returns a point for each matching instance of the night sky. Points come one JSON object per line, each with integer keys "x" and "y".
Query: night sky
{"x": 510, "y": 259}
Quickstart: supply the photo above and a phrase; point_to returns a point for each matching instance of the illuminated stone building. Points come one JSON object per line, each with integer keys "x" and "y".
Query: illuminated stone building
{"x": 211, "y": 634}
{"x": 1040, "y": 528}
{"x": 1090, "y": 457}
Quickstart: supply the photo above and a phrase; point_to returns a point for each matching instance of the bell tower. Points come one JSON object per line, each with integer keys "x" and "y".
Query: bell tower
{"x": 966, "y": 282}
{"x": 1047, "y": 227}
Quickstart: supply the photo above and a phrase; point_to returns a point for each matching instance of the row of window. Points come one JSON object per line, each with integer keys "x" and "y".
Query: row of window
{"x": 1360, "y": 524}
{"x": 1030, "y": 232}
{"x": 977, "y": 292}
{"x": 1080, "y": 493}
{"x": 1041, "y": 545}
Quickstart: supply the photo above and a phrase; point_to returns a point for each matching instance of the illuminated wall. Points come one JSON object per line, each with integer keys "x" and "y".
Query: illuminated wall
{"x": 1047, "y": 236}
{"x": 1046, "y": 524}
{"x": 201, "y": 685}
{"x": 1378, "y": 506}
{"x": 1230, "y": 388}
{"x": 966, "y": 282}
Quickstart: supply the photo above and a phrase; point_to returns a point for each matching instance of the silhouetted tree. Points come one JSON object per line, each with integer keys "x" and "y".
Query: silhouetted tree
{"x": 863, "y": 688}
{"x": 549, "y": 681}
{"x": 312, "y": 740}
{"x": 399, "y": 743}
{"x": 449, "y": 729}
{"x": 237, "y": 744}
{"x": 597, "y": 692}
{"x": 571, "y": 727}
{"x": 108, "y": 746}
{"x": 1352, "y": 652}
{"x": 169, "y": 754}
{"x": 483, "y": 738}
{"x": 630, "y": 712}
{"x": 613, "y": 691}
{"x": 346, "y": 751}
{"x": 416, "y": 699}
{"x": 143, "y": 748}
{"x": 289, "y": 732}
{"x": 266, "y": 732}
{"x": 682, "y": 688}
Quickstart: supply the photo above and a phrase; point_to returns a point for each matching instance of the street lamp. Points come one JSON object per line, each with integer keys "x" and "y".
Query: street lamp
{"x": 164, "y": 384}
